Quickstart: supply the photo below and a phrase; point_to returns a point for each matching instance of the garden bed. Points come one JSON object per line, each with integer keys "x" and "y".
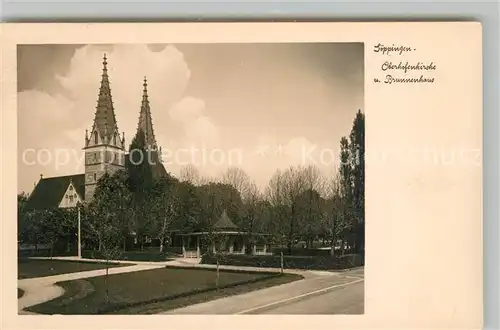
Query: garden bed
{"x": 156, "y": 289}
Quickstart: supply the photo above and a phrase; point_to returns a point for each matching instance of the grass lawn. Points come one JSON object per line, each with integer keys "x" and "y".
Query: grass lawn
{"x": 30, "y": 268}
{"x": 155, "y": 290}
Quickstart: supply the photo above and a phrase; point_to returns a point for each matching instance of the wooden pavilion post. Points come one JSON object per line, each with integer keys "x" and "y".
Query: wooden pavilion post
{"x": 198, "y": 246}
{"x": 183, "y": 247}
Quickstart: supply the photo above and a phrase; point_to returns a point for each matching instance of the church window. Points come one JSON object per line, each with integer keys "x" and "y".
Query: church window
{"x": 70, "y": 188}
{"x": 71, "y": 198}
{"x": 95, "y": 177}
{"x": 114, "y": 139}
{"x": 95, "y": 138}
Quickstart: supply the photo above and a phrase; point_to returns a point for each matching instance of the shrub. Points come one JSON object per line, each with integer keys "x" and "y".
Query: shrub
{"x": 44, "y": 253}
{"x": 301, "y": 252}
{"x": 131, "y": 255}
{"x": 290, "y": 262}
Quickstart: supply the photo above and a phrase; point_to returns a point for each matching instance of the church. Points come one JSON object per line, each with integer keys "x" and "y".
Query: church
{"x": 105, "y": 152}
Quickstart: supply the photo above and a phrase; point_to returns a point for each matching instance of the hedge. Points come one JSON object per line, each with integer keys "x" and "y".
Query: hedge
{"x": 301, "y": 252}
{"x": 147, "y": 255}
{"x": 130, "y": 255}
{"x": 290, "y": 262}
{"x": 44, "y": 253}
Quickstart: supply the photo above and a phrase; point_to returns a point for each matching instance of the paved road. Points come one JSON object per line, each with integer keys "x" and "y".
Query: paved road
{"x": 345, "y": 299}
{"x": 317, "y": 294}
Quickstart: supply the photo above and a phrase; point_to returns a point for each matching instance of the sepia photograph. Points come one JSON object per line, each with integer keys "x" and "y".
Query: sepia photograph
{"x": 196, "y": 178}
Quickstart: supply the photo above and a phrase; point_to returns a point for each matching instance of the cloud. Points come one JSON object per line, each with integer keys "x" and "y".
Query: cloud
{"x": 59, "y": 121}
{"x": 198, "y": 127}
{"x": 187, "y": 110}
{"x": 224, "y": 110}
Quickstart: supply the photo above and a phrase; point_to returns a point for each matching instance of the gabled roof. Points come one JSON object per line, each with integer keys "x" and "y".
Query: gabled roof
{"x": 49, "y": 192}
{"x": 225, "y": 223}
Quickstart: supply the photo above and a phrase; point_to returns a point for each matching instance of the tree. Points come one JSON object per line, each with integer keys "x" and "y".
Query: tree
{"x": 357, "y": 150}
{"x": 165, "y": 208}
{"x": 352, "y": 167}
{"x": 53, "y": 224}
{"x": 282, "y": 192}
{"x": 237, "y": 178}
{"x": 22, "y": 202}
{"x": 241, "y": 183}
{"x": 275, "y": 195}
{"x": 294, "y": 179}
{"x": 29, "y": 228}
{"x": 309, "y": 211}
{"x": 125, "y": 207}
{"x": 346, "y": 219}
{"x": 140, "y": 184}
{"x": 252, "y": 213}
{"x": 190, "y": 173}
{"x": 332, "y": 218}
{"x": 310, "y": 203}
{"x": 26, "y": 229}
{"x": 105, "y": 216}
{"x": 189, "y": 208}
{"x": 211, "y": 205}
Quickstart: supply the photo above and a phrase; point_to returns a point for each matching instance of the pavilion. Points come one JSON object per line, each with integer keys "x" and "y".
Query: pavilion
{"x": 224, "y": 237}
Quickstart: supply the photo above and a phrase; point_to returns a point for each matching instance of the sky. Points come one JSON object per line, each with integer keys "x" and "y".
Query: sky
{"x": 259, "y": 107}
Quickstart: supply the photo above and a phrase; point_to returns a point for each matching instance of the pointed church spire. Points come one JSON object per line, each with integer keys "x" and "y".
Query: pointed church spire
{"x": 145, "y": 121}
{"x": 146, "y": 126}
{"x": 105, "y": 120}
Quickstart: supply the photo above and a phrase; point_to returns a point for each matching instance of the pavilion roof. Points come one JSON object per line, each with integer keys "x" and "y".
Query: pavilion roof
{"x": 225, "y": 223}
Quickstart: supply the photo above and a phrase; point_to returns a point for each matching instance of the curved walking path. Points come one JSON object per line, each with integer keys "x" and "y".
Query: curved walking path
{"x": 41, "y": 289}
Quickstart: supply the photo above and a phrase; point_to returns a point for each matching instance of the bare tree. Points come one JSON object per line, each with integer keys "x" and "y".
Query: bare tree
{"x": 309, "y": 203}
{"x": 237, "y": 178}
{"x": 164, "y": 208}
{"x": 211, "y": 207}
{"x": 190, "y": 173}
{"x": 251, "y": 200}
{"x": 283, "y": 191}
{"x": 205, "y": 180}
{"x": 294, "y": 183}
{"x": 275, "y": 195}
{"x": 314, "y": 180}
{"x": 331, "y": 223}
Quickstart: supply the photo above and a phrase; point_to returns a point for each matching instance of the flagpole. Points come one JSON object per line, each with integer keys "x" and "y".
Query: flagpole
{"x": 79, "y": 235}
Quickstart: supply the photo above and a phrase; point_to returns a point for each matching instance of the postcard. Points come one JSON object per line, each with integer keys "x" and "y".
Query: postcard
{"x": 241, "y": 175}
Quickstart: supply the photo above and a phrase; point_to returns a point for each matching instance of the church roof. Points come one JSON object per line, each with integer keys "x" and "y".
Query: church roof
{"x": 105, "y": 119}
{"x": 225, "y": 223}
{"x": 157, "y": 168}
{"x": 145, "y": 120}
{"x": 49, "y": 192}
{"x": 146, "y": 125}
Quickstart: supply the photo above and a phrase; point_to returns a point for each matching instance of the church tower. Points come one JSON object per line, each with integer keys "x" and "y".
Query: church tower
{"x": 146, "y": 125}
{"x": 145, "y": 121}
{"x": 104, "y": 149}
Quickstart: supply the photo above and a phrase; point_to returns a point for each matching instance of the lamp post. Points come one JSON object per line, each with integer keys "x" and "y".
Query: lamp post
{"x": 79, "y": 234}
